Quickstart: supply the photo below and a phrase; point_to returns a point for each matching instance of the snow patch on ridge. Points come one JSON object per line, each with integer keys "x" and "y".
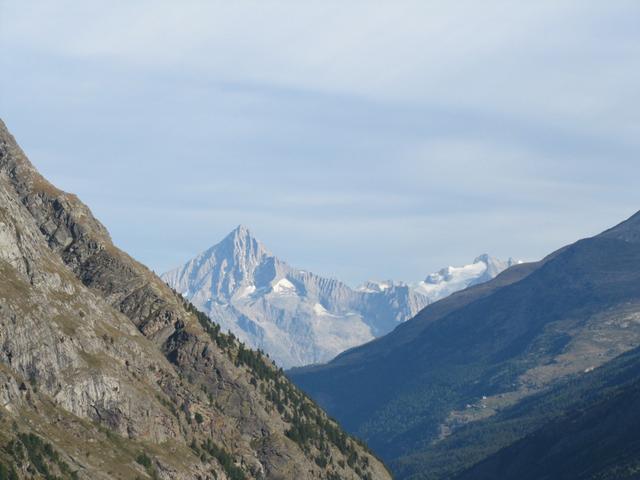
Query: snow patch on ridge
{"x": 450, "y": 280}
{"x": 245, "y": 291}
{"x": 283, "y": 286}
{"x": 319, "y": 310}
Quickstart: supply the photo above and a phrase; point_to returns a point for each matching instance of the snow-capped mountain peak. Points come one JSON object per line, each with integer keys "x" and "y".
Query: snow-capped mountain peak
{"x": 494, "y": 265}
{"x": 445, "y": 281}
{"x": 240, "y": 248}
{"x": 448, "y": 280}
{"x": 298, "y": 317}
{"x": 375, "y": 286}
{"x": 232, "y": 266}
{"x": 295, "y": 316}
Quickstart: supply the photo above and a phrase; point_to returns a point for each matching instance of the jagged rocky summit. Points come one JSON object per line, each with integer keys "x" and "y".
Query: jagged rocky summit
{"x": 301, "y": 318}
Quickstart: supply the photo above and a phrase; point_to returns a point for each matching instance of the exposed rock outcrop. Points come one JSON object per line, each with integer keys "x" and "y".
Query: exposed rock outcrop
{"x": 120, "y": 375}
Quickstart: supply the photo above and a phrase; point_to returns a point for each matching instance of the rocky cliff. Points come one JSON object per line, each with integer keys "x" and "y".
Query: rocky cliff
{"x": 105, "y": 372}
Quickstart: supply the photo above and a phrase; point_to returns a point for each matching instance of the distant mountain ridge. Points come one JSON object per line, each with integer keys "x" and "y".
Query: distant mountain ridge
{"x": 296, "y": 316}
{"x": 448, "y": 280}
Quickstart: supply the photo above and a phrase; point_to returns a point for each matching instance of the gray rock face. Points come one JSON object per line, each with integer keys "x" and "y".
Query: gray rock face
{"x": 300, "y": 318}
{"x": 99, "y": 357}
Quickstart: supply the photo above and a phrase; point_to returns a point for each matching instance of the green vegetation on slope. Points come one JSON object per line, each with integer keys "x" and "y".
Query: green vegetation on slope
{"x": 310, "y": 426}
{"x": 27, "y": 452}
{"x": 588, "y": 408}
{"x": 221, "y": 455}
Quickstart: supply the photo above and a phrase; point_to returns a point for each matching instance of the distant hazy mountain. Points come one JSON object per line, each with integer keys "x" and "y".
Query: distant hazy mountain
{"x": 449, "y": 280}
{"x": 300, "y": 318}
{"x": 489, "y": 348}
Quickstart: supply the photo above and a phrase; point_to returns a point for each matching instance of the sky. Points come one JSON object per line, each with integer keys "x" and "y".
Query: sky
{"x": 356, "y": 139}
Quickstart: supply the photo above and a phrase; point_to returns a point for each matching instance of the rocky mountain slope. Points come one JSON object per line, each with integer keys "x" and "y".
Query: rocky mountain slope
{"x": 481, "y": 350}
{"x": 300, "y": 318}
{"x": 105, "y": 372}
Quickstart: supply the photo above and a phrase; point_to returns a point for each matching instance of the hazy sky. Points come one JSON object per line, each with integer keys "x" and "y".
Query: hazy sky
{"x": 357, "y": 139}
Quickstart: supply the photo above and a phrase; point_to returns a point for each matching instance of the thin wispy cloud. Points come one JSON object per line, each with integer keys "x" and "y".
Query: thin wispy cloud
{"x": 358, "y": 139}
